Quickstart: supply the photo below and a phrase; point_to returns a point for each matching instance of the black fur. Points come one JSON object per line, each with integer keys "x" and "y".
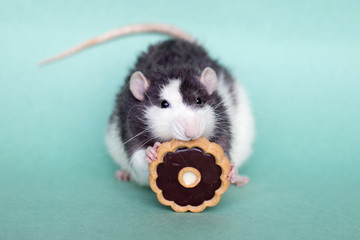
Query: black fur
{"x": 171, "y": 59}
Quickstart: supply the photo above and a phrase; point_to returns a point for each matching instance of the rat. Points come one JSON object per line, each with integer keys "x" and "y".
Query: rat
{"x": 175, "y": 91}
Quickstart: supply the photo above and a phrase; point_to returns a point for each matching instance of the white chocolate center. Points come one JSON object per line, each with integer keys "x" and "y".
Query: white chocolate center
{"x": 189, "y": 178}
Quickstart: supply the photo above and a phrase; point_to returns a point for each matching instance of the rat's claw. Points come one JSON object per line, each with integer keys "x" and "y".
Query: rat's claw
{"x": 151, "y": 152}
{"x": 149, "y": 160}
{"x": 156, "y": 146}
{"x": 122, "y": 175}
{"x": 237, "y": 179}
{"x": 232, "y": 172}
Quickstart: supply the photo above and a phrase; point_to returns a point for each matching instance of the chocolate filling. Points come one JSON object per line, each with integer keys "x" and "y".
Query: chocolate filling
{"x": 169, "y": 169}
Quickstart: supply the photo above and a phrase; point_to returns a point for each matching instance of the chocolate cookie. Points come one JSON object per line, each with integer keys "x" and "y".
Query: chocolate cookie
{"x": 189, "y": 176}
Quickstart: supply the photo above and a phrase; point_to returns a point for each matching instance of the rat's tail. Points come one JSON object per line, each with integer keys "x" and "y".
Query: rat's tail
{"x": 125, "y": 30}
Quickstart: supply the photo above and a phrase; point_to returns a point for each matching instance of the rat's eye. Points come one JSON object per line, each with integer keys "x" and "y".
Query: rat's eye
{"x": 198, "y": 101}
{"x": 165, "y": 104}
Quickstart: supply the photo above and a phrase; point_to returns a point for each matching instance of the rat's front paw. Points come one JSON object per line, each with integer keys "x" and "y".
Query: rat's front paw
{"x": 151, "y": 152}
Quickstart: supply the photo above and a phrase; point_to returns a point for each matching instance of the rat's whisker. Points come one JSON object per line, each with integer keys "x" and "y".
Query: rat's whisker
{"x": 229, "y": 97}
{"x": 142, "y": 132}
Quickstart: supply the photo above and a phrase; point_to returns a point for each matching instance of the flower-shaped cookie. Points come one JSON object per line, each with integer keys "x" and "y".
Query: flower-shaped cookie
{"x": 189, "y": 176}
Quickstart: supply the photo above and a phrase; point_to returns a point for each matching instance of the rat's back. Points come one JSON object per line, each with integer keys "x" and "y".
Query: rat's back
{"x": 176, "y": 55}
{"x": 173, "y": 53}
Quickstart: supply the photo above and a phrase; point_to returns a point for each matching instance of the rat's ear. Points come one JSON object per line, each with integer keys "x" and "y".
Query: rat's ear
{"x": 138, "y": 85}
{"x": 209, "y": 80}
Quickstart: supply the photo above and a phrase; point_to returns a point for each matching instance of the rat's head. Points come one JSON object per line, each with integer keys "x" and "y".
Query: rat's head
{"x": 177, "y": 107}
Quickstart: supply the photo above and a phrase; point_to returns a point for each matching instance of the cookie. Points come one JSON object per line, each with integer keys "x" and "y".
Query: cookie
{"x": 189, "y": 176}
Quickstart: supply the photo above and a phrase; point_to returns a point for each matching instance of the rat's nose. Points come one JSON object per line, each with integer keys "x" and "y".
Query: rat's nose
{"x": 191, "y": 131}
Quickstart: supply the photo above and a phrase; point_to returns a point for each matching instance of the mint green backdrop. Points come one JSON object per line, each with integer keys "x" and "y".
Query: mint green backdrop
{"x": 299, "y": 61}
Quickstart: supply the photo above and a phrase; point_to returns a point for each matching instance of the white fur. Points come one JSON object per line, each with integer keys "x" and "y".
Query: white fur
{"x": 115, "y": 145}
{"x": 171, "y": 123}
{"x": 139, "y": 170}
{"x": 241, "y": 120}
{"x": 243, "y": 129}
{"x": 140, "y": 167}
{"x": 179, "y": 121}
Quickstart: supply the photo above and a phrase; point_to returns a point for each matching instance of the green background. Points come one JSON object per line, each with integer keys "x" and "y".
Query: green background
{"x": 299, "y": 61}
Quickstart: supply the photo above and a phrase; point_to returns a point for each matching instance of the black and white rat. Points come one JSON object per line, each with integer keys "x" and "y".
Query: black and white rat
{"x": 175, "y": 91}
